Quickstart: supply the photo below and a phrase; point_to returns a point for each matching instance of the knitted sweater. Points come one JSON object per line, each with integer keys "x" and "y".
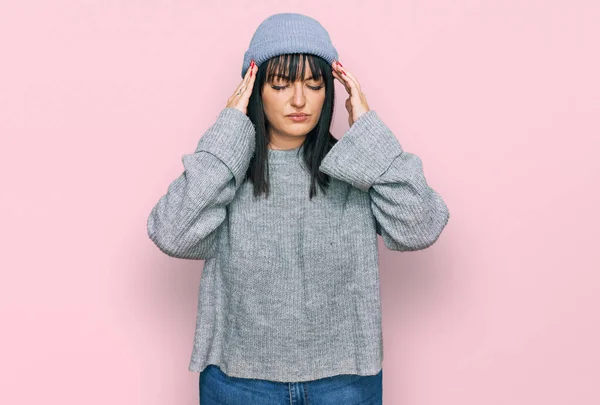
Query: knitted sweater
{"x": 289, "y": 290}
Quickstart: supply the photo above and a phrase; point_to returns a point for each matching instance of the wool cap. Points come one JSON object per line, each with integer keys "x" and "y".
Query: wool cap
{"x": 284, "y": 33}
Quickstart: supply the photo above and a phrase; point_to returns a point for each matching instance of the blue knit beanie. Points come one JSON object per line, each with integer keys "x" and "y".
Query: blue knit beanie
{"x": 288, "y": 33}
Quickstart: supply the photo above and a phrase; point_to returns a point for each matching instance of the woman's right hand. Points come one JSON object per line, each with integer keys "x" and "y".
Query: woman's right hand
{"x": 240, "y": 98}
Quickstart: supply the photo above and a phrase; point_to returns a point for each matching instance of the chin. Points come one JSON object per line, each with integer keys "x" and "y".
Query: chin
{"x": 303, "y": 127}
{"x": 299, "y": 131}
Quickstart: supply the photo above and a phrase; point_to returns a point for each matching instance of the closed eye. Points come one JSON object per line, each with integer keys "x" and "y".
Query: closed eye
{"x": 311, "y": 87}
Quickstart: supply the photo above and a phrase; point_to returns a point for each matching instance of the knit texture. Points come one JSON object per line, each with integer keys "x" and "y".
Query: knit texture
{"x": 289, "y": 290}
{"x": 285, "y": 33}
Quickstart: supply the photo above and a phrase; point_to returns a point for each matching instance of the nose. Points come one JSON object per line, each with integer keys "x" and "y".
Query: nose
{"x": 298, "y": 98}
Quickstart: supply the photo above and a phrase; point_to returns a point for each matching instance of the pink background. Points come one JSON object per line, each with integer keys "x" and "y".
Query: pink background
{"x": 500, "y": 99}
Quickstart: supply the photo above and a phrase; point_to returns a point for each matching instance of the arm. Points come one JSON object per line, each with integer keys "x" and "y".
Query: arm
{"x": 185, "y": 220}
{"x": 409, "y": 214}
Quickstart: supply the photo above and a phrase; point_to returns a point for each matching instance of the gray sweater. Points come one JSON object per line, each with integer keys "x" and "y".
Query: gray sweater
{"x": 289, "y": 290}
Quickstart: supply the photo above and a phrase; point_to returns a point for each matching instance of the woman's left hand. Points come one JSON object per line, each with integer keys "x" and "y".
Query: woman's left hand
{"x": 356, "y": 104}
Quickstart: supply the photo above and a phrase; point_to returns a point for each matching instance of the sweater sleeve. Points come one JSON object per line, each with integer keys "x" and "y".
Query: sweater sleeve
{"x": 409, "y": 214}
{"x": 184, "y": 221}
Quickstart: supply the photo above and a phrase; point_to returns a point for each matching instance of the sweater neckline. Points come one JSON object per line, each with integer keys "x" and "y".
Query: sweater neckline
{"x": 285, "y": 155}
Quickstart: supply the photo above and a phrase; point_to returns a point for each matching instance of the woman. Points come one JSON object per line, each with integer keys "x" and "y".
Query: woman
{"x": 286, "y": 218}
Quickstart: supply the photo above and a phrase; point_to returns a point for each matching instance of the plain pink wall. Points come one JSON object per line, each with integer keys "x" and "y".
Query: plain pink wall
{"x": 500, "y": 99}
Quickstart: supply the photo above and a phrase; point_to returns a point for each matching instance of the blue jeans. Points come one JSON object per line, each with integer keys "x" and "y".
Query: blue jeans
{"x": 217, "y": 388}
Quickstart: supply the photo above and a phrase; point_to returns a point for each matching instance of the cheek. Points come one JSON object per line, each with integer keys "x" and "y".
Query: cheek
{"x": 272, "y": 101}
{"x": 272, "y": 108}
{"x": 319, "y": 97}
{"x": 268, "y": 104}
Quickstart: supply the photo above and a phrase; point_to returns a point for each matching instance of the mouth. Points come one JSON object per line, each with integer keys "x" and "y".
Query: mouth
{"x": 298, "y": 117}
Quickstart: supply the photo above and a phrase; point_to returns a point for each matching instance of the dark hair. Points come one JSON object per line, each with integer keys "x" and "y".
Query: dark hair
{"x": 317, "y": 142}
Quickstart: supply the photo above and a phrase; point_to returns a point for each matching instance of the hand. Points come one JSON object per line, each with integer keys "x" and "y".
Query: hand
{"x": 356, "y": 104}
{"x": 241, "y": 96}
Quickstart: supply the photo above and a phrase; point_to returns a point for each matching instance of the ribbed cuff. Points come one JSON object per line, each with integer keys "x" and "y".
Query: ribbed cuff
{"x": 363, "y": 153}
{"x": 232, "y": 139}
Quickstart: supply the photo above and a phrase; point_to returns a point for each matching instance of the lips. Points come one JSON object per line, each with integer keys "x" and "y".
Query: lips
{"x": 297, "y": 115}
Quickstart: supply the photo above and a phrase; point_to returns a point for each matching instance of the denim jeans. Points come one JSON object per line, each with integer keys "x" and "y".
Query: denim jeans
{"x": 217, "y": 388}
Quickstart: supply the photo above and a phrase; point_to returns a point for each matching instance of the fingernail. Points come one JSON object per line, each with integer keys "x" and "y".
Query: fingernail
{"x": 344, "y": 72}
{"x": 340, "y": 63}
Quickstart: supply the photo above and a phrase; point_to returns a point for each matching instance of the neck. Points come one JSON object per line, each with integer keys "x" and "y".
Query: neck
{"x": 284, "y": 142}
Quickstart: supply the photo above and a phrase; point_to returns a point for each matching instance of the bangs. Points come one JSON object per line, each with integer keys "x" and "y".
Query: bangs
{"x": 292, "y": 66}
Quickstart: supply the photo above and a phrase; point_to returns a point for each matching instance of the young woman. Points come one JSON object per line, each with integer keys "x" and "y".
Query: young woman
{"x": 286, "y": 218}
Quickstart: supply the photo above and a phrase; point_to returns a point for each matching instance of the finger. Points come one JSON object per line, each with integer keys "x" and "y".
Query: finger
{"x": 341, "y": 80}
{"x": 354, "y": 89}
{"x": 242, "y": 86}
{"x": 246, "y": 90}
{"x": 239, "y": 89}
{"x": 247, "y": 78}
{"x": 344, "y": 79}
{"x": 348, "y": 75}
{"x": 252, "y": 78}
{"x": 352, "y": 83}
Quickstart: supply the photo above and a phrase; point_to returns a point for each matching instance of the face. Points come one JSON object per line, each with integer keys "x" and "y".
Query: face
{"x": 282, "y": 97}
